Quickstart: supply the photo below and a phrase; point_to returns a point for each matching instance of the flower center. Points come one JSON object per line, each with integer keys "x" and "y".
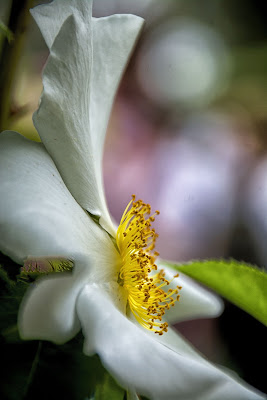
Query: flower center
{"x": 136, "y": 242}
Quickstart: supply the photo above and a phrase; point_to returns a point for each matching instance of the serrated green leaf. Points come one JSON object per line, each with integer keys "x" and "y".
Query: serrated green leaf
{"x": 242, "y": 284}
{"x": 108, "y": 389}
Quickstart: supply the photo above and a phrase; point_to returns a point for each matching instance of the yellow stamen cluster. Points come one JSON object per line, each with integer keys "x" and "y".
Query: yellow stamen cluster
{"x": 136, "y": 242}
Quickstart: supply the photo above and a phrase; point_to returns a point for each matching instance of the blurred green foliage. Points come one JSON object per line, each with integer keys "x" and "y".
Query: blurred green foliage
{"x": 43, "y": 370}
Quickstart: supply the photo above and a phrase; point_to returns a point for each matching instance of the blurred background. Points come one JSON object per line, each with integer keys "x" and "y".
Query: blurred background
{"x": 188, "y": 135}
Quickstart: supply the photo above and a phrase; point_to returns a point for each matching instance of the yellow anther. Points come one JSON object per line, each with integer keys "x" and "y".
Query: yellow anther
{"x": 147, "y": 298}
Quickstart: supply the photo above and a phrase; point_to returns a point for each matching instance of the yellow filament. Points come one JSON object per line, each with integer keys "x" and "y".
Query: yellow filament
{"x": 136, "y": 242}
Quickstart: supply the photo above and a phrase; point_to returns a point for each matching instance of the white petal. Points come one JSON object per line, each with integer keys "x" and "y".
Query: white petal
{"x": 137, "y": 361}
{"x": 173, "y": 340}
{"x": 113, "y": 40}
{"x": 38, "y": 215}
{"x": 50, "y": 17}
{"x": 48, "y": 309}
{"x": 195, "y": 301}
{"x": 81, "y": 77}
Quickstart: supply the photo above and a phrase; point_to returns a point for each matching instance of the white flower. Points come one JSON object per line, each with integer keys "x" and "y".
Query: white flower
{"x": 49, "y": 192}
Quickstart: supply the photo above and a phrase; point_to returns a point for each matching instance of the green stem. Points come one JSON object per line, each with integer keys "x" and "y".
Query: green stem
{"x": 18, "y": 21}
{"x": 33, "y": 369}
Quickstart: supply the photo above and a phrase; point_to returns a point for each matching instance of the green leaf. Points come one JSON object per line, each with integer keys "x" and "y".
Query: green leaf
{"x": 242, "y": 284}
{"x": 108, "y": 389}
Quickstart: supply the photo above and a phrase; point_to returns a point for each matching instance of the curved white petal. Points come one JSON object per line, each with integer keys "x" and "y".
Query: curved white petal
{"x": 113, "y": 40}
{"x": 50, "y": 17}
{"x": 38, "y": 215}
{"x": 138, "y": 361}
{"x": 195, "y": 301}
{"x": 174, "y": 341}
{"x": 87, "y": 59}
{"x": 48, "y": 311}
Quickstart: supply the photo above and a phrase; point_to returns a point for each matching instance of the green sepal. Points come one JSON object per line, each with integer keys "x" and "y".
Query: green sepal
{"x": 6, "y": 32}
{"x": 242, "y": 284}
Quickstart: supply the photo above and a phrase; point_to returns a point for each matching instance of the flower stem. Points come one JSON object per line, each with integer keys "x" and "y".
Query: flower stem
{"x": 33, "y": 369}
{"x": 18, "y": 21}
